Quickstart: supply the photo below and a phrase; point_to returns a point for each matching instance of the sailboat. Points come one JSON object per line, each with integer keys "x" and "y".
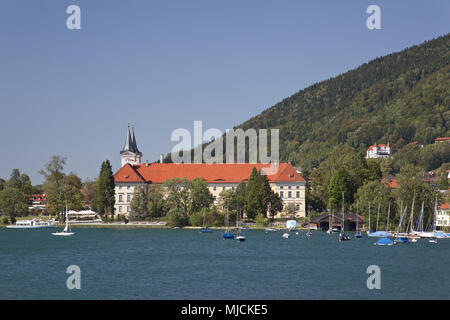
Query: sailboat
{"x": 227, "y": 234}
{"x": 329, "y": 231}
{"x": 369, "y": 231}
{"x": 205, "y": 229}
{"x": 342, "y": 235}
{"x": 401, "y": 238}
{"x": 67, "y": 231}
{"x": 239, "y": 236}
{"x": 409, "y": 228}
{"x": 357, "y": 234}
{"x": 309, "y": 233}
{"x": 381, "y": 234}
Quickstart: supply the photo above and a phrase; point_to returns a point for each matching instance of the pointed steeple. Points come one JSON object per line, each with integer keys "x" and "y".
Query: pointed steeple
{"x": 130, "y": 152}
{"x": 134, "y": 144}
{"x": 128, "y": 142}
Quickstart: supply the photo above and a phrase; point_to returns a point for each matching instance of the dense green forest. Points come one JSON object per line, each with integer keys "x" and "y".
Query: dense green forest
{"x": 400, "y": 98}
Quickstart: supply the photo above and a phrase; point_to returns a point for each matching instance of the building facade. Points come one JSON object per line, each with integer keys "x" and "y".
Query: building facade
{"x": 443, "y": 216}
{"x": 287, "y": 182}
{"x": 379, "y": 151}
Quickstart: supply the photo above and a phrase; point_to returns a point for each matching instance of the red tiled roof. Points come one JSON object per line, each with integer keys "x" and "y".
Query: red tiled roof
{"x": 40, "y": 197}
{"x": 442, "y": 139}
{"x": 393, "y": 184}
{"x": 211, "y": 173}
{"x": 444, "y": 206}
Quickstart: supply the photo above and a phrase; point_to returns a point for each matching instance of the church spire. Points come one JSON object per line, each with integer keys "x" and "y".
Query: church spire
{"x": 128, "y": 142}
{"x": 133, "y": 139}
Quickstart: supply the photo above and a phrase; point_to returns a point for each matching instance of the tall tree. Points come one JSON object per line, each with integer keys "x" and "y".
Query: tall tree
{"x": 89, "y": 191}
{"x": 200, "y": 196}
{"x": 139, "y": 202}
{"x": 254, "y": 203}
{"x": 340, "y": 183}
{"x": 156, "y": 204}
{"x": 60, "y": 188}
{"x": 178, "y": 195}
{"x": 14, "y": 195}
{"x": 105, "y": 190}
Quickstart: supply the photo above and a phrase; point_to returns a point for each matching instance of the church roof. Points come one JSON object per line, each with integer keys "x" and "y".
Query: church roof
{"x": 211, "y": 173}
{"x": 130, "y": 143}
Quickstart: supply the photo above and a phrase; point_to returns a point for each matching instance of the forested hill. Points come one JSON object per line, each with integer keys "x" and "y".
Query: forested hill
{"x": 399, "y": 98}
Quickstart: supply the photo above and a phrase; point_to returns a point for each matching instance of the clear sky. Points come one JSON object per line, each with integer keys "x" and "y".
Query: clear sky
{"x": 163, "y": 64}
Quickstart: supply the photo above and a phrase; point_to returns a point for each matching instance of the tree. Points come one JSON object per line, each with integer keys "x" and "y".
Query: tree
{"x": 14, "y": 195}
{"x": 139, "y": 202}
{"x": 254, "y": 203}
{"x": 200, "y": 195}
{"x": 89, "y": 191}
{"x": 340, "y": 183}
{"x": 275, "y": 204}
{"x": 156, "y": 204}
{"x": 178, "y": 195}
{"x": 240, "y": 196}
{"x": 290, "y": 210}
{"x": 2, "y": 184}
{"x": 105, "y": 190}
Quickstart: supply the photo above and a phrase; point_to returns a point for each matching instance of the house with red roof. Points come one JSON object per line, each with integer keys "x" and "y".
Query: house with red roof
{"x": 37, "y": 202}
{"x": 443, "y": 216}
{"x": 379, "y": 151}
{"x": 286, "y": 181}
{"x": 444, "y": 139}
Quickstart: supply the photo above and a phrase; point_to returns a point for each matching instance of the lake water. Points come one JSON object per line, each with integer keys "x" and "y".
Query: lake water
{"x": 183, "y": 264}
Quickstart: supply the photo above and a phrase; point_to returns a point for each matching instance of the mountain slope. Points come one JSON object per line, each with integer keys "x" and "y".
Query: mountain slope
{"x": 399, "y": 98}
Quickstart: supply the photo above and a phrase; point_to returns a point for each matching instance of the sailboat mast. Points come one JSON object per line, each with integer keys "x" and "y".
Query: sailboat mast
{"x": 343, "y": 216}
{"x": 410, "y": 222}
{"x": 387, "y": 223}
{"x": 378, "y": 214}
{"x": 357, "y": 221}
{"x": 369, "y": 218}
{"x": 434, "y": 215}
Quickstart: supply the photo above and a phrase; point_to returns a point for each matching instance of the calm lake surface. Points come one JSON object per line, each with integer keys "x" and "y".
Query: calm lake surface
{"x": 183, "y": 264}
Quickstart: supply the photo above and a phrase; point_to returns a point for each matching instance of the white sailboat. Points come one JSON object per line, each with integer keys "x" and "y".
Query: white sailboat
{"x": 67, "y": 231}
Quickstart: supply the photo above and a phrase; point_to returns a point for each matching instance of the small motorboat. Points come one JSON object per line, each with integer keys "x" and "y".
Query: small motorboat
{"x": 384, "y": 242}
{"x": 286, "y": 235}
{"x": 228, "y": 235}
{"x": 205, "y": 230}
{"x": 329, "y": 231}
{"x": 309, "y": 234}
{"x": 335, "y": 230}
{"x": 240, "y": 238}
{"x": 432, "y": 240}
{"x": 401, "y": 240}
{"x": 270, "y": 230}
{"x": 344, "y": 237}
{"x": 358, "y": 235}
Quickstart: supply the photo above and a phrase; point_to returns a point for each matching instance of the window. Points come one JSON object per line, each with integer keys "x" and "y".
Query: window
{"x": 120, "y": 197}
{"x": 214, "y": 188}
{"x": 281, "y": 194}
{"x": 298, "y": 187}
{"x": 120, "y": 208}
{"x": 120, "y": 187}
{"x": 232, "y": 188}
{"x": 298, "y": 194}
{"x": 223, "y": 188}
{"x": 128, "y": 208}
{"x": 297, "y": 206}
{"x": 289, "y": 187}
{"x": 128, "y": 197}
{"x": 290, "y": 194}
{"x": 281, "y": 187}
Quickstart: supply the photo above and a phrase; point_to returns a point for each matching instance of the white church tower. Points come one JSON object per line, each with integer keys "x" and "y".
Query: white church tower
{"x": 130, "y": 153}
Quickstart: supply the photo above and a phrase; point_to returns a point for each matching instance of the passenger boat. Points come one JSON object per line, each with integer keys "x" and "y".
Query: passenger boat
{"x": 32, "y": 224}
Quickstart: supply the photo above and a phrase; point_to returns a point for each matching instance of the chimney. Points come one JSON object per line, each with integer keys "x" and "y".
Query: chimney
{"x": 161, "y": 158}
{"x": 146, "y": 163}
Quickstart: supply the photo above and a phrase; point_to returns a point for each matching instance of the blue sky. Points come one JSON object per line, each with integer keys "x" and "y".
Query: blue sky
{"x": 163, "y": 64}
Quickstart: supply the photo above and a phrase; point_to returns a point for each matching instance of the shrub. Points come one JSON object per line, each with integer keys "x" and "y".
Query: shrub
{"x": 177, "y": 219}
{"x": 261, "y": 220}
{"x": 196, "y": 219}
